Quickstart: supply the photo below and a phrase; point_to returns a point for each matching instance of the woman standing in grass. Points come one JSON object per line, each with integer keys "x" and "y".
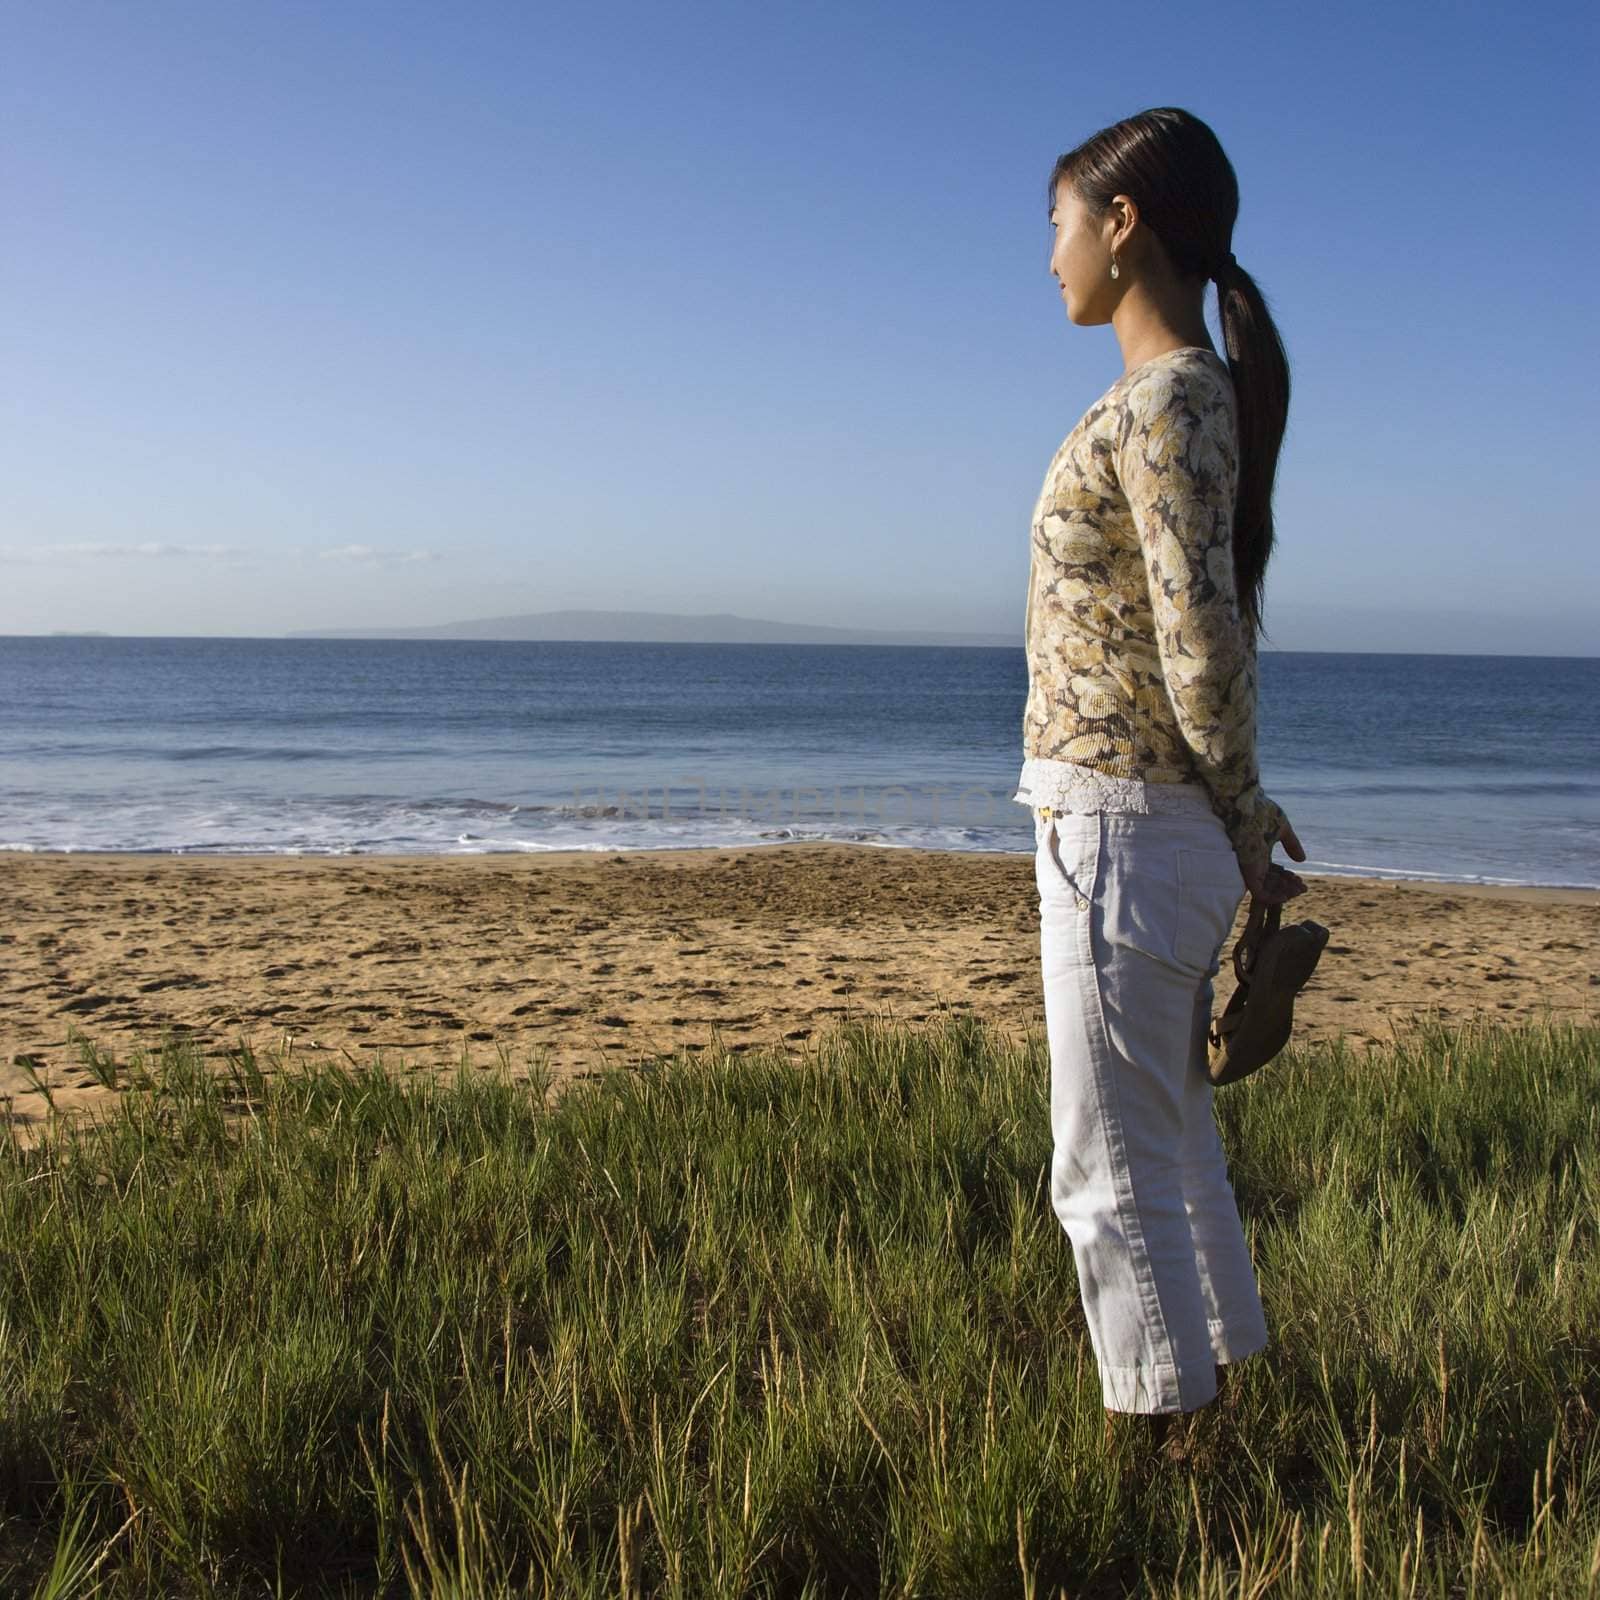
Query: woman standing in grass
{"x": 1150, "y": 542}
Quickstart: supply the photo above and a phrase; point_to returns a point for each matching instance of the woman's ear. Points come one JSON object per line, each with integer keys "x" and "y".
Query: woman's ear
{"x": 1122, "y": 217}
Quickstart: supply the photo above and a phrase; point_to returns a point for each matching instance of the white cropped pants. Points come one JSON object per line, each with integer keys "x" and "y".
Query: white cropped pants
{"x": 1133, "y": 912}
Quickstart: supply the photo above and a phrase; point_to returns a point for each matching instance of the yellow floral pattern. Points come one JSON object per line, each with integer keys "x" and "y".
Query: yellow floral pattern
{"x": 1139, "y": 664}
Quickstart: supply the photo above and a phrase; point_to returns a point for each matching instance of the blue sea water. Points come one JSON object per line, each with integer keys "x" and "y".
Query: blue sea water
{"x": 1456, "y": 768}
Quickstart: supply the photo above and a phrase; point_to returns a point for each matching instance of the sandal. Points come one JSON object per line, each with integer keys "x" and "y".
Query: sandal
{"x": 1272, "y": 964}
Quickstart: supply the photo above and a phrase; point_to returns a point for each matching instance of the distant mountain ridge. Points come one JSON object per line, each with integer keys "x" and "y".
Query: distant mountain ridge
{"x": 661, "y": 627}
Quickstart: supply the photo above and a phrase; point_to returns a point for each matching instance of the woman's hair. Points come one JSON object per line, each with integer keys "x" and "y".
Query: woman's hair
{"x": 1173, "y": 167}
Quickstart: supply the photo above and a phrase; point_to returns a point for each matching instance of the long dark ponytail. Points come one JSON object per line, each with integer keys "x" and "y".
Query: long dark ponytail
{"x": 1173, "y": 167}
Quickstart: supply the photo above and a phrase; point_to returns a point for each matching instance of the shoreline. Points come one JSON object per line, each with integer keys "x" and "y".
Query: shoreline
{"x": 607, "y": 956}
{"x": 1575, "y": 894}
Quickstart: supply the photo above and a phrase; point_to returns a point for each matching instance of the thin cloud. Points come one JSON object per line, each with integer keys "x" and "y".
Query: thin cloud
{"x": 82, "y": 550}
{"x": 96, "y": 550}
{"x": 370, "y": 553}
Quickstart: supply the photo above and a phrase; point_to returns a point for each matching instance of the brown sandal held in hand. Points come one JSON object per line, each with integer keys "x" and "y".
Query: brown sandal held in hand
{"x": 1272, "y": 964}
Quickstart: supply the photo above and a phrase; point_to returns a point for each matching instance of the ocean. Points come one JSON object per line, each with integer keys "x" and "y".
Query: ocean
{"x": 1471, "y": 769}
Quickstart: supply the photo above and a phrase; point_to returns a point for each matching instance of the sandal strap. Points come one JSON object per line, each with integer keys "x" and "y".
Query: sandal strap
{"x": 1262, "y": 921}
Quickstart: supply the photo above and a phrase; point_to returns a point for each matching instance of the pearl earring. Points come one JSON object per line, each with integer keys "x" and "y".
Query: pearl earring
{"x": 1113, "y": 266}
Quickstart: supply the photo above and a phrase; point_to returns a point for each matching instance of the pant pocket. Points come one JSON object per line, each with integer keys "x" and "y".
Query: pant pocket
{"x": 1064, "y": 860}
{"x": 1210, "y": 890}
{"x": 1139, "y": 903}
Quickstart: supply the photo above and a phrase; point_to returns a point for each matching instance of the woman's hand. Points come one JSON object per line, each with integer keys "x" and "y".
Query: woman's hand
{"x": 1271, "y": 883}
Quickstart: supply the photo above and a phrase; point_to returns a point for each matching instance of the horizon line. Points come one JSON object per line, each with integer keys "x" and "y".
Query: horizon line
{"x": 305, "y": 637}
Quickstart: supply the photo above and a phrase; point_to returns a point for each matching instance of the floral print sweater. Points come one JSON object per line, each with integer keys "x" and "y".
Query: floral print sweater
{"x": 1139, "y": 664}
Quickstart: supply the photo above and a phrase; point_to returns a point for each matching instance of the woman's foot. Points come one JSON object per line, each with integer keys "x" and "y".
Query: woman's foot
{"x": 1162, "y": 1435}
{"x": 1149, "y": 1436}
{"x": 1229, "y": 1400}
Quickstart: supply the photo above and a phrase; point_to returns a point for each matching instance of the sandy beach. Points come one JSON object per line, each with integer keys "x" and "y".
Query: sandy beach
{"x": 607, "y": 957}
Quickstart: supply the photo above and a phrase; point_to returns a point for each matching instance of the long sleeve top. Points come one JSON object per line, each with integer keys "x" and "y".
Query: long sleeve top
{"x": 1140, "y": 666}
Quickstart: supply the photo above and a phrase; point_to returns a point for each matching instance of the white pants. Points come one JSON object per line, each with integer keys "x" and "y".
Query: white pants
{"x": 1133, "y": 912}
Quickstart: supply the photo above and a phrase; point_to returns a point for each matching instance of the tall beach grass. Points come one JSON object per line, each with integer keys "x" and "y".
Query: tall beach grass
{"x": 746, "y": 1326}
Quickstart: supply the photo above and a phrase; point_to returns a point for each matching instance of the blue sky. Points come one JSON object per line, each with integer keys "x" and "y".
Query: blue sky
{"x": 336, "y": 313}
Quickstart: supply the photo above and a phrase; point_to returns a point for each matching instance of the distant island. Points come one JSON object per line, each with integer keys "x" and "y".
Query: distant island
{"x": 78, "y": 633}
{"x": 661, "y": 627}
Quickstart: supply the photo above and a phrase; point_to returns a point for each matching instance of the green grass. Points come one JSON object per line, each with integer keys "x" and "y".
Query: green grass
{"x": 747, "y": 1327}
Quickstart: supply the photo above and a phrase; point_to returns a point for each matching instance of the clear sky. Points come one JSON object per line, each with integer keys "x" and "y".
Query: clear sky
{"x": 347, "y": 313}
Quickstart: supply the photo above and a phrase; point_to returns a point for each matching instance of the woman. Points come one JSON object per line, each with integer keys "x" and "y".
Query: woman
{"x": 1150, "y": 542}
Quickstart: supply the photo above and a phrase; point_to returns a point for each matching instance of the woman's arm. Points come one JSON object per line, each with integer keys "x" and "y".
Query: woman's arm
{"x": 1177, "y": 463}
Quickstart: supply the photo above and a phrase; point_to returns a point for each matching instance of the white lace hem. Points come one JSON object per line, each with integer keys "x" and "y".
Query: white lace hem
{"x": 1065, "y": 786}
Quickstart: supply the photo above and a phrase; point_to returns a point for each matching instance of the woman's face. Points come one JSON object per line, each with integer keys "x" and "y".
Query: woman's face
{"x": 1080, "y": 260}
